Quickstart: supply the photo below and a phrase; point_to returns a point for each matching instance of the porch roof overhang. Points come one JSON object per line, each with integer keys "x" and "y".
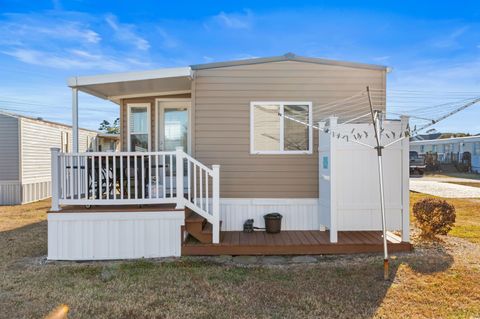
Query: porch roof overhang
{"x": 116, "y": 86}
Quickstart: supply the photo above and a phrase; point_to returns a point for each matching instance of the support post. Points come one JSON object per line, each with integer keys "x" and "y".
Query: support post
{"x": 179, "y": 177}
{"x": 405, "y": 183}
{"x": 75, "y": 120}
{"x": 55, "y": 179}
{"x": 332, "y": 123}
{"x": 321, "y": 128}
{"x": 216, "y": 204}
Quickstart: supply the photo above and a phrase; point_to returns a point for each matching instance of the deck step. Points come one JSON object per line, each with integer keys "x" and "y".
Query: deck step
{"x": 198, "y": 227}
{"x": 208, "y": 228}
{"x": 194, "y": 218}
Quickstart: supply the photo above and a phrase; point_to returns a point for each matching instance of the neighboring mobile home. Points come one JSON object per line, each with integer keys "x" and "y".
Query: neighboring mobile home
{"x": 239, "y": 160}
{"x": 25, "y": 155}
{"x": 107, "y": 142}
{"x": 451, "y": 149}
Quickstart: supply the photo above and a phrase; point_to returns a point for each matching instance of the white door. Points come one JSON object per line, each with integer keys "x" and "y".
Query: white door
{"x": 174, "y": 125}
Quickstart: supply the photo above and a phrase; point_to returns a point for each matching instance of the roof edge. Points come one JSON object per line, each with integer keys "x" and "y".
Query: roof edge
{"x": 31, "y": 118}
{"x": 447, "y": 140}
{"x": 288, "y": 57}
{"x": 80, "y": 81}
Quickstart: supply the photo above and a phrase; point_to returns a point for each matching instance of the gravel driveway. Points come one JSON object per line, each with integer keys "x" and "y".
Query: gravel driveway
{"x": 446, "y": 190}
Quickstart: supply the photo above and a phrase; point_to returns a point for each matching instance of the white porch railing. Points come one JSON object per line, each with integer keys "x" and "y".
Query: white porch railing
{"x": 136, "y": 178}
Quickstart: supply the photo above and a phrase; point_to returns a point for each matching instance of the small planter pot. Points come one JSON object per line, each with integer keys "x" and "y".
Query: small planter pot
{"x": 273, "y": 223}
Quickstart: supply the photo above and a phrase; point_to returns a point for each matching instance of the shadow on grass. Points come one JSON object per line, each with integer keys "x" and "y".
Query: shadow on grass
{"x": 336, "y": 286}
{"x": 23, "y": 242}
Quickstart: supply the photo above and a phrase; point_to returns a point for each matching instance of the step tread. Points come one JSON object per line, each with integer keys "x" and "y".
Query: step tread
{"x": 194, "y": 218}
{"x": 207, "y": 229}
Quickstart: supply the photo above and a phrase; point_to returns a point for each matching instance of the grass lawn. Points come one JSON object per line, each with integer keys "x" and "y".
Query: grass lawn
{"x": 438, "y": 281}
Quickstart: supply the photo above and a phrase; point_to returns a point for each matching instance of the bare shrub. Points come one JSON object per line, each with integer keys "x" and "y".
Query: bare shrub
{"x": 434, "y": 216}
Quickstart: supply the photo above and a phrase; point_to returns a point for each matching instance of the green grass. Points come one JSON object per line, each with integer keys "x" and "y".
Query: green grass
{"x": 453, "y": 174}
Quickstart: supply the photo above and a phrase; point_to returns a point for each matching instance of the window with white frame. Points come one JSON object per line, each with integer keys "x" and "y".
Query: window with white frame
{"x": 279, "y": 128}
{"x": 138, "y": 127}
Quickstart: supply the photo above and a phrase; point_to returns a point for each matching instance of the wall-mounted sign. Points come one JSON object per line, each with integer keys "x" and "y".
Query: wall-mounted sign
{"x": 325, "y": 162}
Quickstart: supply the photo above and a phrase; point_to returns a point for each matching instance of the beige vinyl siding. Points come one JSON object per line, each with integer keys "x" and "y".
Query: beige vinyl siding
{"x": 124, "y": 117}
{"x": 9, "y": 148}
{"x": 37, "y": 139}
{"x": 222, "y": 122}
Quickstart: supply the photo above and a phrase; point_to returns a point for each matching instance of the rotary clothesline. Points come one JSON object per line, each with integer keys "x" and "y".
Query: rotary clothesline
{"x": 343, "y": 111}
{"x": 355, "y": 108}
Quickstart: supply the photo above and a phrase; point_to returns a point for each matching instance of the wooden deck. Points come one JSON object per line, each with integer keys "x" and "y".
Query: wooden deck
{"x": 294, "y": 243}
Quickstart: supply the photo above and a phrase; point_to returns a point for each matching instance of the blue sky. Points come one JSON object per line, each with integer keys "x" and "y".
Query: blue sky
{"x": 432, "y": 46}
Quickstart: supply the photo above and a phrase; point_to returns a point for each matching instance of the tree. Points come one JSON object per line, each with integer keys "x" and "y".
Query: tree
{"x": 108, "y": 128}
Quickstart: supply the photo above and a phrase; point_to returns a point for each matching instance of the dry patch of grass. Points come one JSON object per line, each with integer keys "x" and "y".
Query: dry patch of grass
{"x": 16, "y": 216}
{"x": 453, "y": 174}
{"x": 435, "y": 281}
{"x": 467, "y": 223}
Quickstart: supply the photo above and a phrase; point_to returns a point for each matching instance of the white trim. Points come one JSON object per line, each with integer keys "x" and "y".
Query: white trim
{"x": 120, "y": 215}
{"x": 12, "y": 182}
{"x": 20, "y": 149}
{"x": 281, "y": 104}
{"x": 36, "y": 180}
{"x": 270, "y": 201}
{"x": 75, "y": 128}
{"x": 149, "y": 123}
{"x": 159, "y": 111}
{"x": 129, "y": 96}
{"x": 130, "y": 76}
{"x": 298, "y": 213}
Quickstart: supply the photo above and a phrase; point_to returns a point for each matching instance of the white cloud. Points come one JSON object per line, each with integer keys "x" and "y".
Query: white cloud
{"x": 70, "y": 40}
{"x": 235, "y": 20}
{"x": 71, "y": 60}
{"x": 382, "y": 58}
{"x": 126, "y": 33}
{"x": 450, "y": 40}
{"x": 168, "y": 41}
{"x": 25, "y": 28}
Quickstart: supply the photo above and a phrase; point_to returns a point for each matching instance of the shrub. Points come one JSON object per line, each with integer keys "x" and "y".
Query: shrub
{"x": 434, "y": 216}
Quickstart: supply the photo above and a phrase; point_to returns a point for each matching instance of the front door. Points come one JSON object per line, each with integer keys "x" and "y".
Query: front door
{"x": 174, "y": 125}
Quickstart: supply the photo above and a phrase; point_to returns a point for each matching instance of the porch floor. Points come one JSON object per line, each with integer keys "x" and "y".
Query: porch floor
{"x": 294, "y": 243}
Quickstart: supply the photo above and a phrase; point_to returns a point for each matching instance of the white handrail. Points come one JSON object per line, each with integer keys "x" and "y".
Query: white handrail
{"x": 191, "y": 159}
{"x": 120, "y": 153}
{"x": 205, "y": 200}
{"x": 128, "y": 178}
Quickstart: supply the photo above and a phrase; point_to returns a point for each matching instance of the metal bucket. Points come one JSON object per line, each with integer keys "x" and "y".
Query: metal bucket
{"x": 273, "y": 223}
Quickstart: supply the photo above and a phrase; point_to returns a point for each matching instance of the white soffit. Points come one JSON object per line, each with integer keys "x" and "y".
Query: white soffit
{"x": 116, "y": 85}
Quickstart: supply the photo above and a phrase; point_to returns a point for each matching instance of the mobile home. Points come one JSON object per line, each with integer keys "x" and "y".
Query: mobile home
{"x": 25, "y": 144}
{"x": 203, "y": 149}
{"x": 451, "y": 149}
